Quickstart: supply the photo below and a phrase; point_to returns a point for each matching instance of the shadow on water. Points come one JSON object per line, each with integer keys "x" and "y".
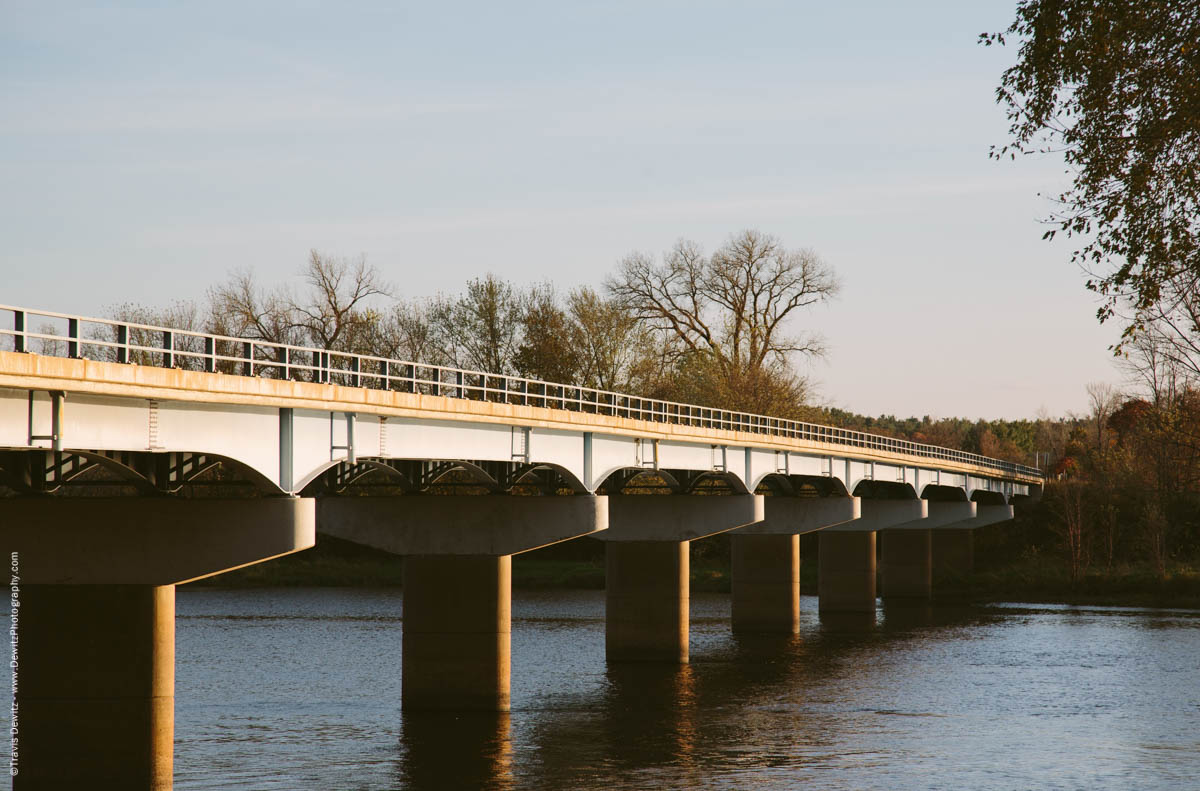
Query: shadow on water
{"x": 849, "y": 623}
{"x": 907, "y": 615}
{"x": 645, "y": 718}
{"x": 650, "y": 713}
{"x": 461, "y": 750}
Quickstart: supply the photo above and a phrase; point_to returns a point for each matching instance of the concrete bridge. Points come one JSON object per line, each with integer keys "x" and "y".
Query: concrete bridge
{"x": 134, "y": 458}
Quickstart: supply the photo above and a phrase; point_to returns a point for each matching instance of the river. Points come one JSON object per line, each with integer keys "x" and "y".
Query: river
{"x": 300, "y": 689}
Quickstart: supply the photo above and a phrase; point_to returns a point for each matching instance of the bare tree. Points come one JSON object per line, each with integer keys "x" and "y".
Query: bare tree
{"x": 407, "y": 332}
{"x": 731, "y": 311}
{"x": 242, "y": 309}
{"x": 1068, "y": 503}
{"x": 1103, "y": 399}
{"x": 178, "y": 315}
{"x": 335, "y": 313}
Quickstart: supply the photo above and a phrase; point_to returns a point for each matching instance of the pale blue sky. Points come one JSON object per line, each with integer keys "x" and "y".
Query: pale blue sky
{"x": 145, "y": 151}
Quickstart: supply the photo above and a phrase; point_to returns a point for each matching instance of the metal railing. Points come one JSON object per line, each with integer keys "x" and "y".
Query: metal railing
{"x": 142, "y": 344}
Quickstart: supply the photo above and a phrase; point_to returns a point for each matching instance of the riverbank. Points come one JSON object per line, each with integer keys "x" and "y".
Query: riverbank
{"x": 335, "y": 563}
{"x": 1046, "y": 580}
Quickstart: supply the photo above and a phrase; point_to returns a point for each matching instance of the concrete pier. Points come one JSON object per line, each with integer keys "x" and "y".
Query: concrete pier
{"x": 646, "y": 601}
{"x": 457, "y": 632}
{"x": 765, "y": 583}
{"x": 846, "y": 566}
{"x": 647, "y": 568}
{"x": 96, "y": 628}
{"x": 846, "y": 571}
{"x": 765, "y": 572}
{"x": 458, "y": 581}
{"x": 95, "y": 693}
{"x": 907, "y": 564}
{"x": 953, "y": 552}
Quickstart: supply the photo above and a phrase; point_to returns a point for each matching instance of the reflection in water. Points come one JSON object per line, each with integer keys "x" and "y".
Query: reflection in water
{"x": 851, "y": 622}
{"x": 444, "y": 751}
{"x": 650, "y": 713}
{"x": 917, "y": 698}
{"x": 902, "y": 615}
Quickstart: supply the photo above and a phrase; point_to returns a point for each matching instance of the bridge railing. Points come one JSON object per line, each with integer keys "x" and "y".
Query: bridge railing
{"x": 65, "y": 335}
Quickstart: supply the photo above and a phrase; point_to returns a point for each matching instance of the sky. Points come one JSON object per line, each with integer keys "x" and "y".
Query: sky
{"x": 148, "y": 150}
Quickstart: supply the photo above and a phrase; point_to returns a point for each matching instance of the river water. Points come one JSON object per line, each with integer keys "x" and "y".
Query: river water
{"x": 300, "y": 689}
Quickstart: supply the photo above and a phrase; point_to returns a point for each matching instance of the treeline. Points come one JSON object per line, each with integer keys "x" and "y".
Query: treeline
{"x": 719, "y": 330}
{"x": 1022, "y": 441}
{"x": 710, "y": 329}
{"x": 1123, "y": 480}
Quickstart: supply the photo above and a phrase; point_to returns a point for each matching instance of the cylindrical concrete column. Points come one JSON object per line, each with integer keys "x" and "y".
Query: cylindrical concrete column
{"x": 907, "y": 564}
{"x": 457, "y": 632}
{"x": 846, "y": 571}
{"x": 95, "y": 687}
{"x": 646, "y": 602}
{"x": 953, "y": 552}
{"x": 765, "y": 583}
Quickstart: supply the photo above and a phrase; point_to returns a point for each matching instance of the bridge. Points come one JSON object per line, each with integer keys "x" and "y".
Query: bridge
{"x": 134, "y": 458}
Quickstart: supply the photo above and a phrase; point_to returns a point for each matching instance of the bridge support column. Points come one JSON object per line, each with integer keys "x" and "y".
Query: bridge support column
{"x": 846, "y": 571}
{"x": 457, "y": 629}
{"x": 907, "y": 564}
{"x": 953, "y": 552}
{"x": 647, "y": 568}
{"x": 95, "y": 578}
{"x": 765, "y": 583}
{"x": 908, "y": 547}
{"x": 95, "y": 698}
{"x": 646, "y": 601}
{"x": 458, "y": 581}
{"x": 766, "y": 560}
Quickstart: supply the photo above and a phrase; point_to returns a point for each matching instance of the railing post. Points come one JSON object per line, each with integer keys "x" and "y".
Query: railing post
{"x": 210, "y": 354}
{"x": 248, "y": 356}
{"x": 168, "y": 346}
{"x": 73, "y": 337}
{"x": 73, "y": 334}
{"x": 122, "y": 343}
{"x": 19, "y": 344}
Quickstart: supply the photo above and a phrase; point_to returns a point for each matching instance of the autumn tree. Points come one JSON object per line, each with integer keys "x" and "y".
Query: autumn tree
{"x": 481, "y": 329}
{"x": 616, "y": 350}
{"x": 1115, "y": 87}
{"x": 547, "y": 350}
